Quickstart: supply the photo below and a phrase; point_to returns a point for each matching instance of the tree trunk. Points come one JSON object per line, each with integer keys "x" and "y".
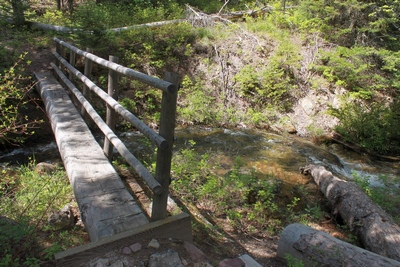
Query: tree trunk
{"x": 376, "y": 229}
{"x": 316, "y": 248}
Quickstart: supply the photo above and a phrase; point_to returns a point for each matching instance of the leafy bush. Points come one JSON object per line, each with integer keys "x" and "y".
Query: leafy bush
{"x": 386, "y": 196}
{"x": 248, "y": 200}
{"x": 26, "y": 200}
{"x": 14, "y": 88}
{"x": 374, "y": 126}
{"x": 271, "y": 83}
{"x": 349, "y": 23}
{"x": 196, "y": 107}
{"x": 362, "y": 70}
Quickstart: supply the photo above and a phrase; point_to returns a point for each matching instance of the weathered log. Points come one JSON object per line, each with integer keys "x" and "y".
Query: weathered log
{"x": 376, "y": 229}
{"x": 316, "y": 248}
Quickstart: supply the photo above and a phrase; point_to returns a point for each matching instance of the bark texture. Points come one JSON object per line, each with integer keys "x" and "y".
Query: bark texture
{"x": 316, "y": 248}
{"x": 376, "y": 229}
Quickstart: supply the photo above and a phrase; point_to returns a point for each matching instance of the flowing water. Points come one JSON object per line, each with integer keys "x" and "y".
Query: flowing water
{"x": 264, "y": 151}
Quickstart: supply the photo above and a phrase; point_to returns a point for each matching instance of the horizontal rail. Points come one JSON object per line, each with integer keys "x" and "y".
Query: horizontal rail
{"x": 149, "y": 80}
{"x": 142, "y": 171}
{"x": 155, "y": 138}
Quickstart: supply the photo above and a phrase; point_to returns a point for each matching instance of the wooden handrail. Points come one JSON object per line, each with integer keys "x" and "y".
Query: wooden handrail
{"x": 149, "y": 80}
{"x": 140, "y": 125}
{"x": 164, "y": 140}
{"x": 118, "y": 144}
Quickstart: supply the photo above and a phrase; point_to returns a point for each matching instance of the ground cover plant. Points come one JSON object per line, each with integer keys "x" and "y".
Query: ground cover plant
{"x": 252, "y": 203}
{"x": 27, "y": 199}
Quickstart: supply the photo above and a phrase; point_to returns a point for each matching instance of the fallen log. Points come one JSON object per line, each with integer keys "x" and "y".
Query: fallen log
{"x": 376, "y": 230}
{"x": 316, "y": 248}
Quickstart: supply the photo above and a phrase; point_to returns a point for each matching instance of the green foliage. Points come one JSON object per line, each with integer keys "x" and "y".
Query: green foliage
{"x": 32, "y": 195}
{"x": 53, "y": 17}
{"x": 198, "y": 102}
{"x": 26, "y": 200}
{"x": 361, "y": 70}
{"x": 375, "y": 127}
{"x": 353, "y": 22}
{"x": 16, "y": 239}
{"x": 93, "y": 20}
{"x": 152, "y": 51}
{"x": 293, "y": 262}
{"x": 271, "y": 83}
{"x": 14, "y": 88}
{"x": 247, "y": 199}
{"x": 96, "y": 19}
{"x": 386, "y": 195}
{"x": 17, "y": 8}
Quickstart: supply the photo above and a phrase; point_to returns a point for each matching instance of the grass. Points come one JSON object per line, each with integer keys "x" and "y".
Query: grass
{"x": 251, "y": 202}
{"x": 27, "y": 198}
{"x": 386, "y": 196}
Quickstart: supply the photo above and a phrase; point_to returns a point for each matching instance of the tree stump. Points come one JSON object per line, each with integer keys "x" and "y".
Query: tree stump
{"x": 377, "y": 231}
{"x": 316, "y": 248}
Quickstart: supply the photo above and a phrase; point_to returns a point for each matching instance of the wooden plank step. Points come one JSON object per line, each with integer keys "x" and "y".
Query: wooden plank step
{"x": 176, "y": 227}
{"x": 106, "y": 206}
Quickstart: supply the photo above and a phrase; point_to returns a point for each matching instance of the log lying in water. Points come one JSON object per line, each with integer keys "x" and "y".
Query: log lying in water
{"x": 316, "y": 248}
{"x": 376, "y": 229}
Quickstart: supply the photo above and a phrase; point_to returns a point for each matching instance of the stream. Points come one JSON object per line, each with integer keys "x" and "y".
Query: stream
{"x": 264, "y": 151}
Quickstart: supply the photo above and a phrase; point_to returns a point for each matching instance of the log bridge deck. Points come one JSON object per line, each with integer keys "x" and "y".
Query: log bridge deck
{"x": 110, "y": 213}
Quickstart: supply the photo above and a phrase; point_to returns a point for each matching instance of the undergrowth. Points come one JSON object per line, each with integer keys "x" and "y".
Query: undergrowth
{"x": 384, "y": 191}
{"x": 252, "y": 203}
{"x": 27, "y": 198}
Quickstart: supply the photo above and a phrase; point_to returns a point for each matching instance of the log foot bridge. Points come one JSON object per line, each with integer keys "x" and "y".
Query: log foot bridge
{"x": 112, "y": 216}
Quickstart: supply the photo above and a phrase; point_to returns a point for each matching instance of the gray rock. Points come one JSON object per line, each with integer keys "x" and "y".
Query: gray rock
{"x": 135, "y": 247}
{"x": 168, "y": 258}
{"x": 236, "y": 262}
{"x": 106, "y": 263}
{"x": 202, "y": 264}
{"x": 45, "y": 168}
{"x": 308, "y": 106}
{"x": 153, "y": 244}
{"x": 126, "y": 251}
{"x": 62, "y": 219}
{"x": 195, "y": 254}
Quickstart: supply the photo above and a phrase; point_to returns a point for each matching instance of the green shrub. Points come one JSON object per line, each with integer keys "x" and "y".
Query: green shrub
{"x": 247, "y": 199}
{"x": 198, "y": 103}
{"x": 349, "y": 23}
{"x": 14, "y": 88}
{"x": 271, "y": 83}
{"x": 386, "y": 196}
{"x": 374, "y": 126}
{"x": 26, "y": 200}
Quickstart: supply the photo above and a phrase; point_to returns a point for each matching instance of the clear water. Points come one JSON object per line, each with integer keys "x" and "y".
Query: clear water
{"x": 264, "y": 151}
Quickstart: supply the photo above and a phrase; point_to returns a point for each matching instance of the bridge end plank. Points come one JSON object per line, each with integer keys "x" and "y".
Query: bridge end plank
{"x": 176, "y": 227}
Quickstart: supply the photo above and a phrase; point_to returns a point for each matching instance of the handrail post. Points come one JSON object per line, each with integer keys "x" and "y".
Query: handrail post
{"x": 110, "y": 113}
{"x": 58, "y": 47}
{"x": 62, "y": 54}
{"x": 72, "y": 61}
{"x": 164, "y": 156}
{"x": 58, "y": 62}
{"x": 87, "y": 72}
